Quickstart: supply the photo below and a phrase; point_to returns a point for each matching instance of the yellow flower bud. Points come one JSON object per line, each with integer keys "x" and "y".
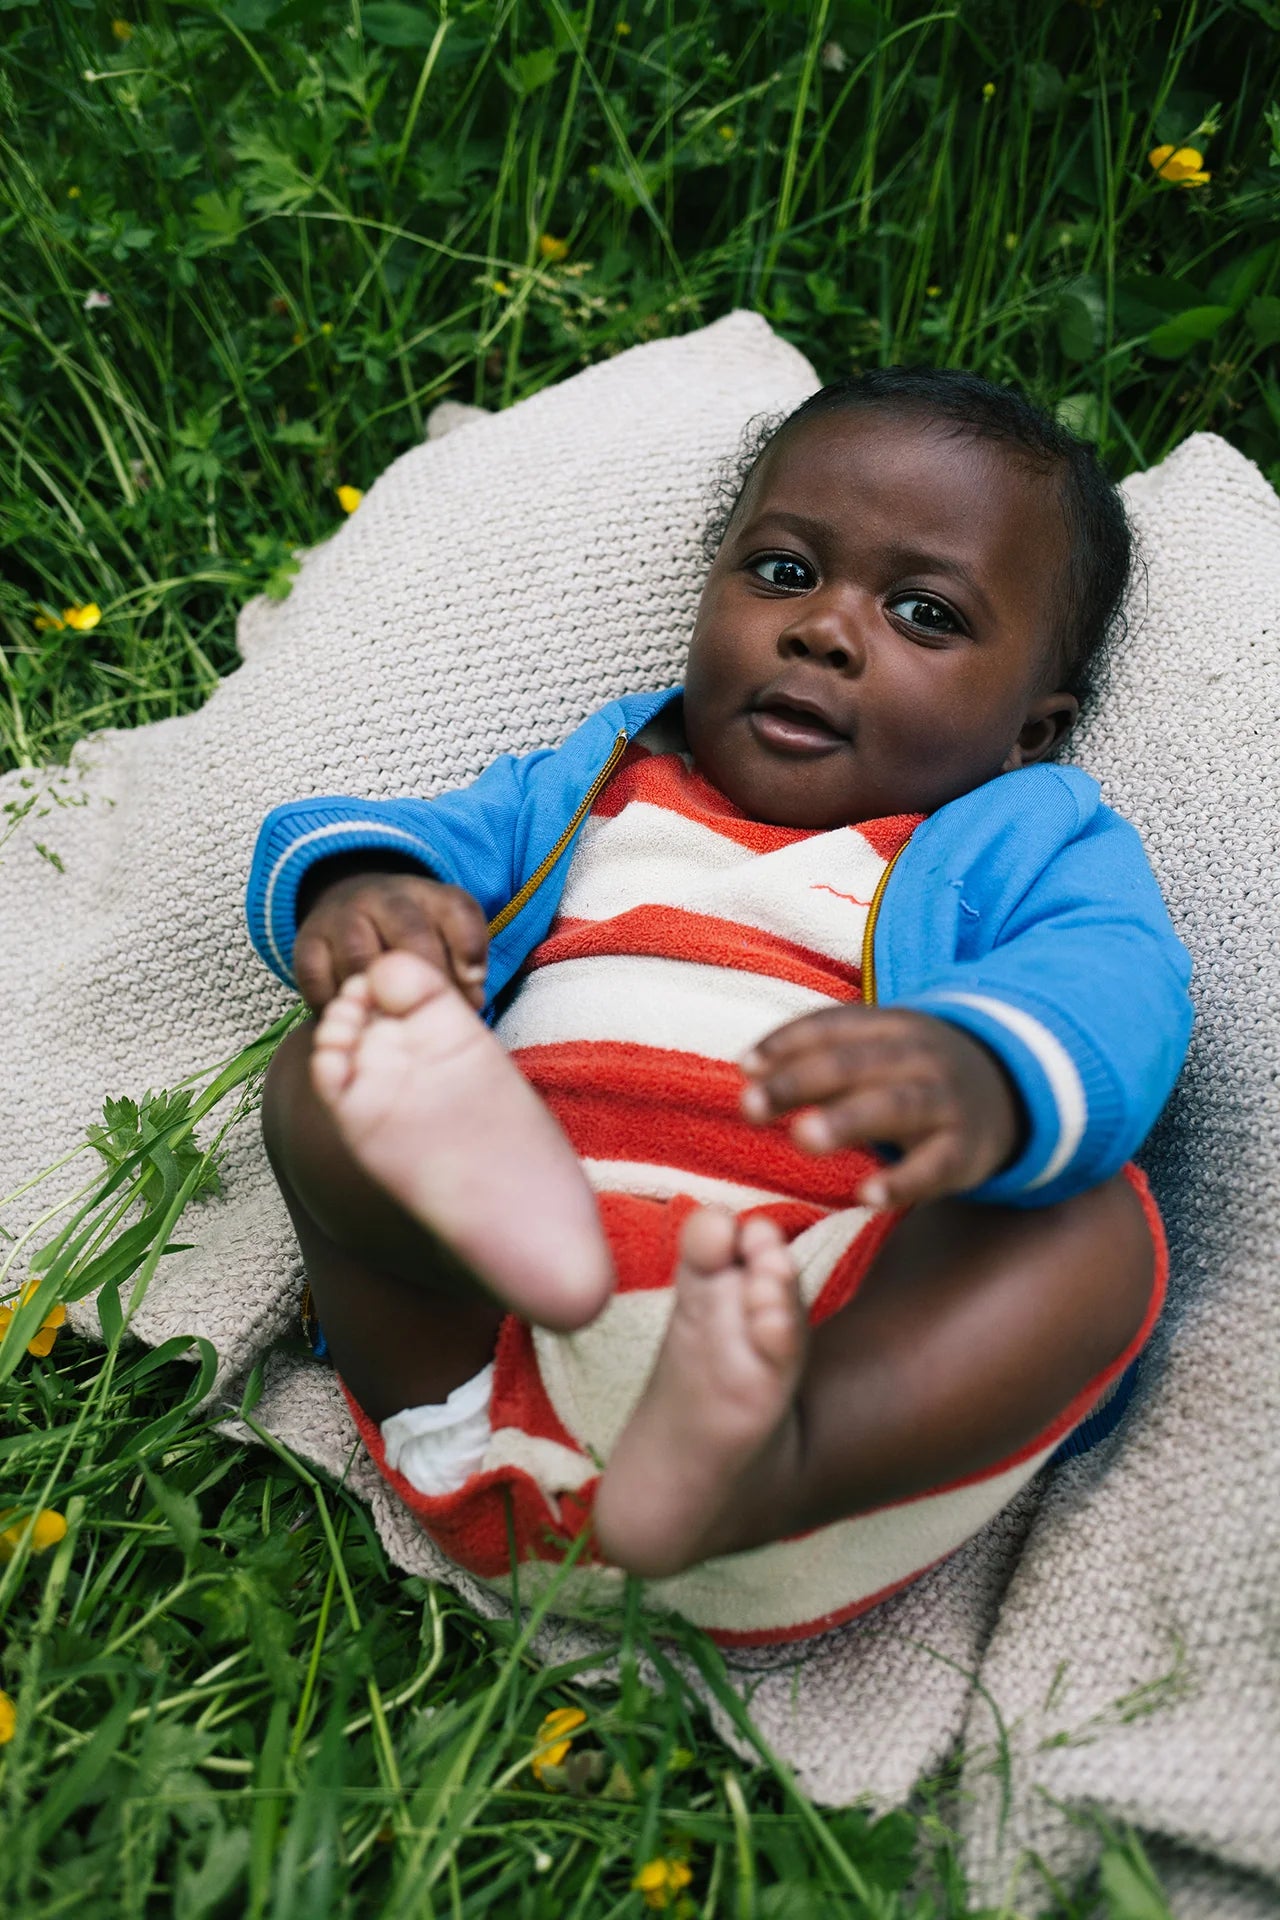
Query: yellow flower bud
{"x": 84, "y": 619}
{"x": 49, "y": 1528}
{"x": 661, "y": 1880}
{"x": 349, "y": 498}
{"x": 122, "y": 30}
{"x": 8, "y": 1719}
{"x": 555, "y": 1737}
{"x": 552, "y": 249}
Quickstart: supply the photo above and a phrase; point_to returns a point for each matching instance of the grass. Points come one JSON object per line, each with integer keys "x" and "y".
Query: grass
{"x": 304, "y": 225}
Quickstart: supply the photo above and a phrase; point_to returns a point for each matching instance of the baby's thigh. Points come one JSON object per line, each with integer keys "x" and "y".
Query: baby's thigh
{"x": 976, "y": 1328}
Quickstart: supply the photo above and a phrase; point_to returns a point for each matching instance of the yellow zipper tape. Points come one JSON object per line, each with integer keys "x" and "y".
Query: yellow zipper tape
{"x": 869, "y": 932}
{"x": 536, "y": 878}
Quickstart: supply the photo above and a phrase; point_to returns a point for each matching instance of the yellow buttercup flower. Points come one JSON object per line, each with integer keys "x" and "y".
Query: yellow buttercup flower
{"x": 989, "y": 90}
{"x": 555, "y": 1737}
{"x": 349, "y": 498}
{"x": 661, "y": 1880}
{"x": 550, "y": 248}
{"x": 122, "y": 30}
{"x": 8, "y": 1719}
{"x": 1184, "y": 166}
{"x": 73, "y": 193}
{"x": 84, "y": 619}
{"x": 500, "y": 286}
{"x": 50, "y": 1527}
{"x": 623, "y": 28}
{"x": 42, "y": 1340}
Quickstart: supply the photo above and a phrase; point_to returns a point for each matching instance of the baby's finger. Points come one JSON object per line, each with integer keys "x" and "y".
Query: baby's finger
{"x": 901, "y": 1111}
{"x": 405, "y": 927}
{"x": 936, "y": 1165}
{"x": 870, "y": 1030}
{"x": 314, "y": 971}
{"x": 819, "y": 1073}
{"x": 466, "y": 936}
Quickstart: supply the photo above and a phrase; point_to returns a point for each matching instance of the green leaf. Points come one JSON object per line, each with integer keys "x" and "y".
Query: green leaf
{"x": 1129, "y": 1887}
{"x": 1236, "y": 281}
{"x": 394, "y": 25}
{"x": 299, "y": 433}
{"x": 76, "y": 1784}
{"x": 1081, "y": 317}
{"x": 529, "y": 71}
{"x": 1186, "y": 331}
{"x": 218, "y": 217}
{"x": 1262, "y": 317}
{"x": 1079, "y": 414}
{"x": 180, "y": 1511}
{"x": 1046, "y": 88}
{"x": 204, "y": 1890}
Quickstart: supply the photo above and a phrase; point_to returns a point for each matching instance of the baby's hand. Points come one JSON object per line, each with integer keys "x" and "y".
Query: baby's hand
{"x": 872, "y": 1074}
{"x": 359, "y": 915}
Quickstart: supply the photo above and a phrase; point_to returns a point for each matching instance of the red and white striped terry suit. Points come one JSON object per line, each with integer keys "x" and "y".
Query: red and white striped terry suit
{"x": 687, "y": 932}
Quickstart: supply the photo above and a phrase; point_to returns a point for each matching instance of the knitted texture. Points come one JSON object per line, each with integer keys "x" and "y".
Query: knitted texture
{"x": 495, "y": 586}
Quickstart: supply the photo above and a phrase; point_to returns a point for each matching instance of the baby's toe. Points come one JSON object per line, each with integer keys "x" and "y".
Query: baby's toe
{"x": 707, "y": 1242}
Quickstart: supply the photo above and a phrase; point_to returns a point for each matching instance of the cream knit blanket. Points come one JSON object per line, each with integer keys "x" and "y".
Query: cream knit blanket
{"x": 495, "y": 586}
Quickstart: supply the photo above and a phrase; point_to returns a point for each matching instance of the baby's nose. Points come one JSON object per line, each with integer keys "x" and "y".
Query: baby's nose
{"x": 830, "y": 634}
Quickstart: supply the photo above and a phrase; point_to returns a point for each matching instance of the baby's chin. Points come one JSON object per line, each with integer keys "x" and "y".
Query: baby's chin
{"x": 800, "y": 800}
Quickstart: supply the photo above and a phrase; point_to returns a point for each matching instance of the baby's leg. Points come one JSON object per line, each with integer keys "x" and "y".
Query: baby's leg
{"x": 975, "y": 1327}
{"x": 406, "y": 1318}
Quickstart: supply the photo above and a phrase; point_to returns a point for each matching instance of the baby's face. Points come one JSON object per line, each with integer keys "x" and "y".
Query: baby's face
{"x": 876, "y": 634}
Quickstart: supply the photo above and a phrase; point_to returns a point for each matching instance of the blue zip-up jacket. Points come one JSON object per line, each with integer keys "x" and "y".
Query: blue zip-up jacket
{"x": 1024, "y": 912}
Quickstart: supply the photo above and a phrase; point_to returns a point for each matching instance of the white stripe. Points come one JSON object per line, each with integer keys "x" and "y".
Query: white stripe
{"x": 1059, "y": 1070}
{"x": 794, "y": 1582}
{"x": 648, "y": 1182}
{"x": 305, "y": 840}
{"x": 814, "y": 892}
{"x": 648, "y": 1002}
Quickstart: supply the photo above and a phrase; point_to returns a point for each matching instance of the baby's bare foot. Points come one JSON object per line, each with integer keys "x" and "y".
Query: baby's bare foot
{"x": 722, "y": 1386}
{"x": 432, "y": 1108}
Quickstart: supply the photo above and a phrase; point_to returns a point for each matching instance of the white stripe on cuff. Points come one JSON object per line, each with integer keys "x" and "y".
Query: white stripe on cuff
{"x": 1059, "y": 1070}
{"x": 305, "y": 840}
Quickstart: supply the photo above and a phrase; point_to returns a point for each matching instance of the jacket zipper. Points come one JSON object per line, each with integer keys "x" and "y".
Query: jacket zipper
{"x": 869, "y": 932}
{"x": 536, "y": 878}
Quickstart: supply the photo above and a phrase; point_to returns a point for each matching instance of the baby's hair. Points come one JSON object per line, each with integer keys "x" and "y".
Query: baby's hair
{"x": 1099, "y": 541}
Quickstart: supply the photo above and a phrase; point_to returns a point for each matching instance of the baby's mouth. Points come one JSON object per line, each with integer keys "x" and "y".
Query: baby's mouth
{"x": 795, "y": 726}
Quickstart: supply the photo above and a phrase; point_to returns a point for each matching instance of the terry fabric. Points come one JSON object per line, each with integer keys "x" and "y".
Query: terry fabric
{"x": 1120, "y": 1616}
{"x": 687, "y": 933}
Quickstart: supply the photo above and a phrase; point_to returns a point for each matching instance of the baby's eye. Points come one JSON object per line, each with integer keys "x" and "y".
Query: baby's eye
{"x": 779, "y": 571}
{"x": 922, "y": 610}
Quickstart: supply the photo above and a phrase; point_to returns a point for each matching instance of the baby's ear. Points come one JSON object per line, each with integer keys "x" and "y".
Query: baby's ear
{"x": 1048, "y": 721}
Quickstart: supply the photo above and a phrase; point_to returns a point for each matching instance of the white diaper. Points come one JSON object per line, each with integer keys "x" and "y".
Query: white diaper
{"x": 437, "y": 1448}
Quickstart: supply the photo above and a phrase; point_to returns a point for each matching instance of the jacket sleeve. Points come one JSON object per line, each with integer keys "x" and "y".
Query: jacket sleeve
{"x": 468, "y": 838}
{"x": 1074, "y": 978}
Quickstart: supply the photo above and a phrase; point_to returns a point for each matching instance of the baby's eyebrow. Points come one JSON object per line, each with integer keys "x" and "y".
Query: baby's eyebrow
{"x": 900, "y": 559}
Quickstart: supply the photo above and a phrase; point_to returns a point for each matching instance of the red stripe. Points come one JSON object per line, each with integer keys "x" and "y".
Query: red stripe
{"x": 663, "y": 780}
{"x": 890, "y": 835}
{"x": 666, "y": 1108}
{"x": 673, "y": 933}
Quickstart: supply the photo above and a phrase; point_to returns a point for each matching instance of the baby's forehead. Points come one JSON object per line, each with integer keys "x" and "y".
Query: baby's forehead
{"x": 929, "y": 475}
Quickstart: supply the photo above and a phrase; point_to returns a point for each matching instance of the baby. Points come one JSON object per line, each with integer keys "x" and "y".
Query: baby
{"x": 779, "y": 1195}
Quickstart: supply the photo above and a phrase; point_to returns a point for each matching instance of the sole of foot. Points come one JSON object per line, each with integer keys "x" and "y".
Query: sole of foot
{"x": 721, "y": 1392}
{"x": 432, "y": 1109}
